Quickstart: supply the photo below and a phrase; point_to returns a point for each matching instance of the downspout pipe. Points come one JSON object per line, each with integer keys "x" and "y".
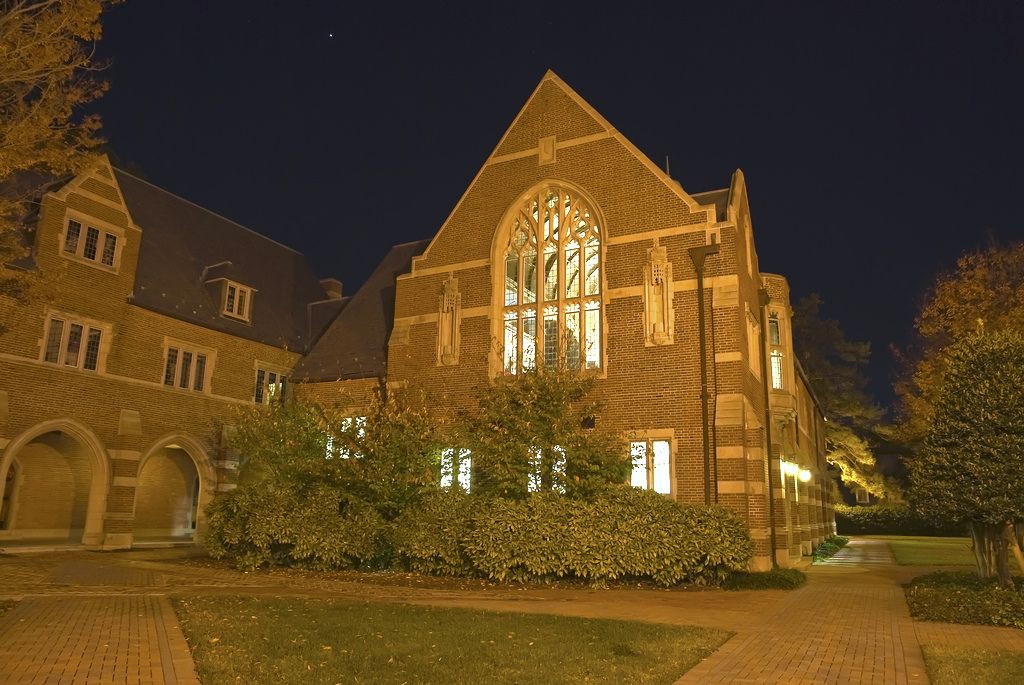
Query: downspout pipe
{"x": 698, "y": 255}
{"x": 763, "y": 298}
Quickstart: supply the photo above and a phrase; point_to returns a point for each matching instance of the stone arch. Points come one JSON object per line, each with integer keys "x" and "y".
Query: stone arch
{"x": 88, "y": 500}
{"x": 166, "y": 506}
{"x": 500, "y": 243}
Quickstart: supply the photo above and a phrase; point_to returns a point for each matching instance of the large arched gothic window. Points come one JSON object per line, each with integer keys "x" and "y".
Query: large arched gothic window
{"x": 552, "y": 293}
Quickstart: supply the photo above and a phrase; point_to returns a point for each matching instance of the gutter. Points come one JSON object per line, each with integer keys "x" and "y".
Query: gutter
{"x": 698, "y": 255}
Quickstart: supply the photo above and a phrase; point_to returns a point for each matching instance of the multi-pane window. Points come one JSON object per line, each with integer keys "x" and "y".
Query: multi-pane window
{"x": 270, "y": 387}
{"x": 352, "y": 429}
{"x": 72, "y": 343}
{"x": 237, "y": 300}
{"x": 547, "y": 470}
{"x": 90, "y": 243}
{"x": 776, "y": 358}
{"x": 651, "y": 465}
{"x": 185, "y": 368}
{"x": 774, "y": 337}
{"x": 456, "y": 468}
{"x": 552, "y": 294}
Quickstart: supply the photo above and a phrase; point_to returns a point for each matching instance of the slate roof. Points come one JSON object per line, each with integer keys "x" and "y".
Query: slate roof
{"x": 355, "y": 344}
{"x": 718, "y": 198}
{"x": 186, "y": 248}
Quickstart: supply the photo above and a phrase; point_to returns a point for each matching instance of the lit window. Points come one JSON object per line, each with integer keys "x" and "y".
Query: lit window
{"x": 547, "y": 477}
{"x": 91, "y": 244}
{"x": 651, "y": 465}
{"x": 456, "y": 468}
{"x": 73, "y": 343}
{"x": 863, "y": 497}
{"x": 354, "y": 428}
{"x": 552, "y": 294}
{"x": 774, "y": 337}
{"x": 185, "y": 368}
{"x": 776, "y": 358}
{"x": 237, "y": 301}
{"x": 270, "y": 387}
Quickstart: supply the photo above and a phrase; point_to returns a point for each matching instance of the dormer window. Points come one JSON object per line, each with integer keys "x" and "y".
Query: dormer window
{"x": 237, "y": 301}
{"x": 84, "y": 242}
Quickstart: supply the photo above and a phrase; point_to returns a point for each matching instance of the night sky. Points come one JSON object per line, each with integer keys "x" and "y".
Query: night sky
{"x": 879, "y": 141}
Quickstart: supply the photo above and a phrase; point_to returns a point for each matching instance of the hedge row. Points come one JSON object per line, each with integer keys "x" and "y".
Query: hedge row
{"x": 621, "y": 533}
{"x": 962, "y": 597}
{"x": 888, "y": 519}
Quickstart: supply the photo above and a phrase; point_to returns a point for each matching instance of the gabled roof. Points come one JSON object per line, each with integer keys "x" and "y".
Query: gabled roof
{"x": 355, "y": 344}
{"x": 186, "y": 248}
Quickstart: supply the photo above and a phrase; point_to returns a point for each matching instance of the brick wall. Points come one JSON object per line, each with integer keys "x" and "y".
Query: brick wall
{"x": 123, "y": 408}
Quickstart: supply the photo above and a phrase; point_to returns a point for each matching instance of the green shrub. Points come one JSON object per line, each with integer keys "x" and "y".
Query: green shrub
{"x": 962, "y": 597}
{"x": 288, "y": 524}
{"x": 888, "y": 519}
{"x": 829, "y": 546}
{"x": 621, "y": 533}
{"x": 776, "y": 579}
{"x": 429, "y": 537}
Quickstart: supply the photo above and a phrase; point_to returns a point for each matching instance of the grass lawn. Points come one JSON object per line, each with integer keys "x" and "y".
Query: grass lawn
{"x": 289, "y": 640}
{"x": 932, "y": 551}
{"x": 947, "y": 666}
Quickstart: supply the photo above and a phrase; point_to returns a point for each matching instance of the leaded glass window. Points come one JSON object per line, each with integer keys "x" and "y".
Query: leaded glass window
{"x": 552, "y": 294}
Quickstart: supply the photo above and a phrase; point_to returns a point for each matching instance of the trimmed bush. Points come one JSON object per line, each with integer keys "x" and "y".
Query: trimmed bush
{"x": 622, "y": 533}
{"x": 829, "y": 546}
{"x": 429, "y": 537}
{"x": 776, "y": 579}
{"x": 312, "y": 527}
{"x": 962, "y": 597}
{"x": 888, "y": 519}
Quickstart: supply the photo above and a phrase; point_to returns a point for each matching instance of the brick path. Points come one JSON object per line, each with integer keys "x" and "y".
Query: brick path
{"x": 103, "y": 617}
{"x": 87, "y": 628}
{"x": 850, "y": 624}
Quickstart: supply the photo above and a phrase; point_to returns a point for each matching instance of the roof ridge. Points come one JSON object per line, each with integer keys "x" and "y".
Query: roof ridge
{"x": 412, "y": 242}
{"x": 207, "y": 210}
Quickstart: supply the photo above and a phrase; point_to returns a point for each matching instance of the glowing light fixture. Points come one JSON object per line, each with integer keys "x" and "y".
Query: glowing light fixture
{"x": 804, "y": 475}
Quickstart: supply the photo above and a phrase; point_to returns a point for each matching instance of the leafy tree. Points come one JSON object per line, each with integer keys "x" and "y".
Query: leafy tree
{"x": 984, "y": 291}
{"x": 835, "y": 368}
{"x": 47, "y": 72}
{"x": 530, "y": 433}
{"x": 973, "y": 457}
{"x": 386, "y": 458}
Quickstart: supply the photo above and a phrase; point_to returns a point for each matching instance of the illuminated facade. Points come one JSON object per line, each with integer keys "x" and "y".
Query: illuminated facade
{"x": 569, "y": 247}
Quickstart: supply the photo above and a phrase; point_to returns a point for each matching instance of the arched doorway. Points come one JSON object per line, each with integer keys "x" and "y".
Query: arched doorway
{"x": 173, "y": 486}
{"x": 54, "y": 479}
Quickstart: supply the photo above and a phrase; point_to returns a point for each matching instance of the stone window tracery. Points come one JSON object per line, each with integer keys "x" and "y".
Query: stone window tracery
{"x": 552, "y": 284}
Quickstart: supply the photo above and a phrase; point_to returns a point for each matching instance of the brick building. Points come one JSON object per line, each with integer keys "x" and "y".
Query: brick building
{"x": 569, "y": 246}
{"x": 157, "y": 320}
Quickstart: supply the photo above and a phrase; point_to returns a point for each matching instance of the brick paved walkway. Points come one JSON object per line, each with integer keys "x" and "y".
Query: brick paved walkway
{"x": 86, "y": 628}
{"x": 90, "y": 617}
{"x": 850, "y": 624}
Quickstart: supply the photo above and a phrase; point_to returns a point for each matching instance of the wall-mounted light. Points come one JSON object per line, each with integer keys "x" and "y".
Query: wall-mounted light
{"x": 804, "y": 475}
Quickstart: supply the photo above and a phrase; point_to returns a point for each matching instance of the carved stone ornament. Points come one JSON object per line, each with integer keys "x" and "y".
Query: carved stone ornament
{"x": 659, "y": 319}
{"x": 448, "y": 323}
